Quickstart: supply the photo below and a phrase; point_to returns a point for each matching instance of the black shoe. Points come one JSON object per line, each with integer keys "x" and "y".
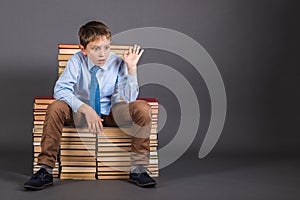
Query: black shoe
{"x": 39, "y": 180}
{"x": 141, "y": 177}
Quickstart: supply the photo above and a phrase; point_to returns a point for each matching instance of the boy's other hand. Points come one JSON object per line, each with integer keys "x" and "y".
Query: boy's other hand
{"x": 92, "y": 118}
{"x": 132, "y": 57}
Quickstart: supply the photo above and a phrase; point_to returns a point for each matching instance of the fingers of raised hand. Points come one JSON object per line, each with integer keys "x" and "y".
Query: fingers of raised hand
{"x": 135, "y": 49}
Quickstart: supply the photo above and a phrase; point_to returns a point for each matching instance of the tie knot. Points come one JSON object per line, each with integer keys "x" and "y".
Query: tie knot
{"x": 94, "y": 69}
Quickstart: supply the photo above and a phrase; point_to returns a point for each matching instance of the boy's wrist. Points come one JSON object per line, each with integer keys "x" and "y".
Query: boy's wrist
{"x": 132, "y": 70}
{"x": 83, "y": 108}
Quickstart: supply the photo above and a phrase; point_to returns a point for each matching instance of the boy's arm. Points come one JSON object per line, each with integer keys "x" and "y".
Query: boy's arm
{"x": 64, "y": 87}
{"x": 132, "y": 57}
{"x": 127, "y": 85}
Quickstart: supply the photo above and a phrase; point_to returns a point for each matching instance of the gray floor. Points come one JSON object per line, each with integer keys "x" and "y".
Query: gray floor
{"x": 214, "y": 177}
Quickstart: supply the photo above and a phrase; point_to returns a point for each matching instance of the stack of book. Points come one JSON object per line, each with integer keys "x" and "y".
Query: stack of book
{"x": 78, "y": 154}
{"x": 113, "y": 155}
{"x": 65, "y": 51}
{"x": 114, "y": 148}
{"x": 39, "y": 113}
{"x": 83, "y": 155}
{"x": 153, "y": 164}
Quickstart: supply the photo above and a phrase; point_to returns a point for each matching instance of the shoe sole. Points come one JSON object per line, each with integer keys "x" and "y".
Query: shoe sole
{"x": 143, "y": 185}
{"x": 37, "y": 188}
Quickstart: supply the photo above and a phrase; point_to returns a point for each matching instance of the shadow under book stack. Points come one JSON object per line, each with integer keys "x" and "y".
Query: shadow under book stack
{"x": 114, "y": 148}
{"x": 39, "y": 113}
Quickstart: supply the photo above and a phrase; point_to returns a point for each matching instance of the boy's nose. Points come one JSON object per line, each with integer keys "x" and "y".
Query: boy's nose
{"x": 101, "y": 53}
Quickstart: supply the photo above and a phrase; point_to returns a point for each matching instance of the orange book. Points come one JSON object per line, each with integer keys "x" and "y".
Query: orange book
{"x": 68, "y": 46}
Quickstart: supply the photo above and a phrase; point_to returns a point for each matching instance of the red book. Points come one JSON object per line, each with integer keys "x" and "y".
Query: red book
{"x": 43, "y": 99}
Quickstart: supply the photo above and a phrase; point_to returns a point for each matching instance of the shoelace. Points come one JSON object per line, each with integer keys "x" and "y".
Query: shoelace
{"x": 141, "y": 169}
{"x": 38, "y": 175}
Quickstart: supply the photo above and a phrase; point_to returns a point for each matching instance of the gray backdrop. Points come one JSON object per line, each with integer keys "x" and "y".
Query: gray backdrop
{"x": 254, "y": 44}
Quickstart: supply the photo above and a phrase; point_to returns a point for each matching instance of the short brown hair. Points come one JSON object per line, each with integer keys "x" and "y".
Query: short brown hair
{"x": 91, "y": 30}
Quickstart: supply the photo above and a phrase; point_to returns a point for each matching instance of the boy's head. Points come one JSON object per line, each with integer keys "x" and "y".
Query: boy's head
{"x": 91, "y": 31}
{"x": 95, "y": 40}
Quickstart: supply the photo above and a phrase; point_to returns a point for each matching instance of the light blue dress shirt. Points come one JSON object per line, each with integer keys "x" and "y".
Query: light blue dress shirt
{"x": 113, "y": 78}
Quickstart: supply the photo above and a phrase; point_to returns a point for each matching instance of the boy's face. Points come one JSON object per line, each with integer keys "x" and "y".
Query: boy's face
{"x": 98, "y": 50}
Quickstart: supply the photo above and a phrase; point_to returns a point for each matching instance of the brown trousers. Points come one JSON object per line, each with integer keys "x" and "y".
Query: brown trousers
{"x": 136, "y": 113}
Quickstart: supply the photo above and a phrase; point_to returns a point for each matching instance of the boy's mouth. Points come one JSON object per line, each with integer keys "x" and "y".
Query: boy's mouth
{"x": 101, "y": 61}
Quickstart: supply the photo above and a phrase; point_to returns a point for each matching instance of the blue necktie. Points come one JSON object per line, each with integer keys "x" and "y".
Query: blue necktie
{"x": 95, "y": 91}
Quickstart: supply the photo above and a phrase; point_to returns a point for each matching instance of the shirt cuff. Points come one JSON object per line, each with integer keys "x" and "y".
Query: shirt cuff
{"x": 76, "y": 104}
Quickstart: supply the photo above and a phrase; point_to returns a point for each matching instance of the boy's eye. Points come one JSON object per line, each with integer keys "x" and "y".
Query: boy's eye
{"x": 96, "y": 49}
{"x": 106, "y": 47}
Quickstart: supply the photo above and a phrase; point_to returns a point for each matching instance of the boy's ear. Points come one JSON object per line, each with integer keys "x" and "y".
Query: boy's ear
{"x": 82, "y": 49}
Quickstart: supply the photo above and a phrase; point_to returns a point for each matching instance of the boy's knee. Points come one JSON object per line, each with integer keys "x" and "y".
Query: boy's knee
{"x": 57, "y": 106}
{"x": 141, "y": 108}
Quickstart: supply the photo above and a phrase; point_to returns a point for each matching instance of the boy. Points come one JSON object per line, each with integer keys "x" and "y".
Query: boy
{"x": 91, "y": 87}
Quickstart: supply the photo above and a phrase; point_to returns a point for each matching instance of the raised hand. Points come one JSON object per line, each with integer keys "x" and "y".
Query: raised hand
{"x": 132, "y": 57}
